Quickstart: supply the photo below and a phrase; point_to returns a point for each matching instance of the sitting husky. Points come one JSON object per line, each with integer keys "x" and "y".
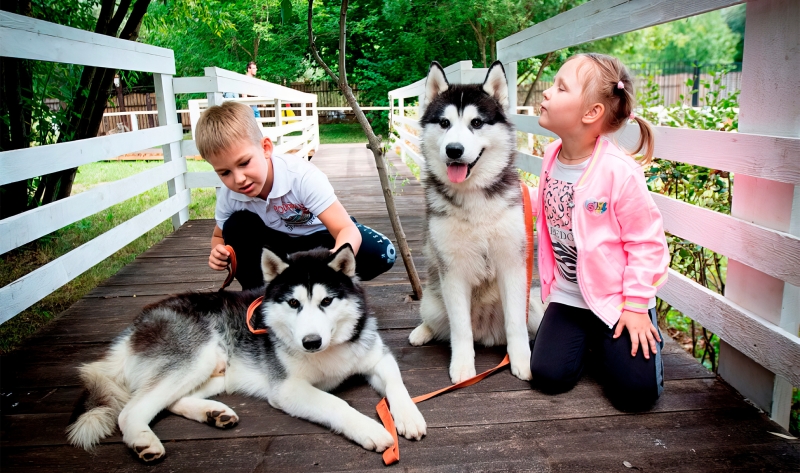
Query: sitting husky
{"x": 188, "y": 347}
{"x": 474, "y": 233}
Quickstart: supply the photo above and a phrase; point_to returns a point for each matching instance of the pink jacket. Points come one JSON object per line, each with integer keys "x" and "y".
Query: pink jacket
{"x": 622, "y": 252}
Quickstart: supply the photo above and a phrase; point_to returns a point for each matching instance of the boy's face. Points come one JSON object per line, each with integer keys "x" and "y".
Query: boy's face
{"x": 564, "y": 105}
{"x": 243, "y": 167}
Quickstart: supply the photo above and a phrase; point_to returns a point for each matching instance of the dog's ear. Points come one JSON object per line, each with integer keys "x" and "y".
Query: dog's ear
{"x": 344, "y": 260}
{"x": 271, "y": 265}
{"x": 496, "y": 84}
{"x": 435, "y": 84}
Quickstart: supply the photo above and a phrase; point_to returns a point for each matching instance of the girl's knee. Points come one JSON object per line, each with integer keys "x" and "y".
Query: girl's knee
{"x": 551, "y": 378}
{"x": 633, "y": 394}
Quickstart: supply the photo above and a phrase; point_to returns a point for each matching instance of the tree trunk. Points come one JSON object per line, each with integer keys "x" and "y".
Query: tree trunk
{"x": 375, "y": 144}
{"x": 545, "y": 62}
{"x": 16, "y": 86}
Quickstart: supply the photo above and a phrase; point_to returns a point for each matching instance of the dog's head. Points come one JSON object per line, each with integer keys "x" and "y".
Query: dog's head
{"x": 467, "y": 139}
{"x": 313, "y": 298}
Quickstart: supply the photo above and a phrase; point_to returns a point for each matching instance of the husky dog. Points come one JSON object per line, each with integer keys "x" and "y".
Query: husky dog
{"x": 475, "y": 232}
{"x": 188, "y": 347}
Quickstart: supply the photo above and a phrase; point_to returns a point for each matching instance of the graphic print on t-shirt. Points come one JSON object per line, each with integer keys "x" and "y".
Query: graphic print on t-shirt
{"x": 293, "y": 214}
{"x": 558, "y": 209}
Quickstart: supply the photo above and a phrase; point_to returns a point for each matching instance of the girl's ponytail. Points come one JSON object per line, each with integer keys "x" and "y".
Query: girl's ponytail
{"x": 646, "y": 140}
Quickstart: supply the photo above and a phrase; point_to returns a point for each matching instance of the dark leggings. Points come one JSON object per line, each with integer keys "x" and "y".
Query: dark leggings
{"x": 567, "y": 334}
{"x": 248, "y": 235}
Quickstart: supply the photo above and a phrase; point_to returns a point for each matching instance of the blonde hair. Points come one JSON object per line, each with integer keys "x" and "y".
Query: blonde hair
{"x": 222, "y": 126}
{"x": 602, "y": 85}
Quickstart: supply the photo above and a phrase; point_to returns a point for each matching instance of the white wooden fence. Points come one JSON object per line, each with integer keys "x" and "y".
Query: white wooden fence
{"x": 27, "y": 38}
{"x": 757, "y": 319}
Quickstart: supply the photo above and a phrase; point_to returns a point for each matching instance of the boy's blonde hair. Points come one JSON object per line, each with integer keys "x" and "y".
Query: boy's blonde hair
{"x": 610, "y": 82}
{"x": 222, "y": 126}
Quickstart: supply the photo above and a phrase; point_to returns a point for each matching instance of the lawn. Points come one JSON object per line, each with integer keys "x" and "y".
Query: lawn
{"x": 341, "y": 133}
{"x": 27, "y": 258}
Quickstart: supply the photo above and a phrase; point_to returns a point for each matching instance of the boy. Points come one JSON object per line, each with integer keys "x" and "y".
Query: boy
{"x": 280, "y": 202}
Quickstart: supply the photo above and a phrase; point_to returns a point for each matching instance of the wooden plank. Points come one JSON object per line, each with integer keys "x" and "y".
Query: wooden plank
{"x": 189, "y": 148}
{"x": 771, "y": 251}
{"x": 202, "y": 179}
{"x": 222, "y": 80}
{"x": 762, "y": 341}
{"x": 412, "y": 122}
{"x": 529, "y": 163}
{"x": 530, "y": 124}
{"x": 413, "y": 139}
{"x": 596, "y": 20}
{"x": 22, "y": 164}
{"x": 28, "y": 226}
{"x": 31, "y": 288}
{"x": 27, "y": 38}
{"x": 418, "y": 158}
{"x": 165, "y": 98}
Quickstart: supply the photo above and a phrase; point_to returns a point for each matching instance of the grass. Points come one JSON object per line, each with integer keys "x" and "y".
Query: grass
{"x": 341, "y": 133}
{"x": 27, "y": 258}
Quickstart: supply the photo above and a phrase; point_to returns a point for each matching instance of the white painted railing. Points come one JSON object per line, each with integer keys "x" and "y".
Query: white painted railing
{"x": 26, "y": 38}
{"x": 291, "y": 111}
{"x": 757, "y": 319}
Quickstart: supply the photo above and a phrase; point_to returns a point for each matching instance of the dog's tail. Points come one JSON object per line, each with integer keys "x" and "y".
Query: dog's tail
{"x": 95, "y": 417}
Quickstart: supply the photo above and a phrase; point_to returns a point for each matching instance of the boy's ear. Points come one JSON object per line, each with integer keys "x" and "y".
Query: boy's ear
{"x": 267, "y": 146}
{"x": 435, "y": 84}
{"x": 344, "y": 260}
{"x": 496, "y": 83}
{"x": 271, "y": 265}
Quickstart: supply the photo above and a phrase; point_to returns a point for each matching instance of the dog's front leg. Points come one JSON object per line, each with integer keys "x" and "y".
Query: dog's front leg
{"x": 386, "y": 379}
{"x": 457, "y": 296}
{"x": 512, "y": 279}
{"x": 299, "y": 398}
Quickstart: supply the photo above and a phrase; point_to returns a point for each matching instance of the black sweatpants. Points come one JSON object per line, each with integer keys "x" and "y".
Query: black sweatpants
{"x": 568, "y": 334}
{"x": 248, "y": 235}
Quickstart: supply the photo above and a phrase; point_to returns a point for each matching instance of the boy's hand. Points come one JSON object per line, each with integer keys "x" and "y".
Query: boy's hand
{"x": 641, "y": 330}
{"x": 218, "y": 260}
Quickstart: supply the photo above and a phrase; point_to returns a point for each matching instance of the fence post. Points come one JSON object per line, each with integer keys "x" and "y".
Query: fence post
{"x": 278, "y": 124}
{"x": 401, "y": 113}
{"x": 696, "y": 86}
{"x": 511, "y": 76}
{"x": 167, "y": 115}
{"x": 134, "y": 122}
{"x": 769, "y": 81}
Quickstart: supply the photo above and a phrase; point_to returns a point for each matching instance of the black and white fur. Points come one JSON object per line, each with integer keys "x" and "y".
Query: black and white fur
{"x": 186, "y": 348}
{"x": 475, "y": 233}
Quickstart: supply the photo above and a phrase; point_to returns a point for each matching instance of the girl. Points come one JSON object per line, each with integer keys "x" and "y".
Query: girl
{"x": 602, "y": 250}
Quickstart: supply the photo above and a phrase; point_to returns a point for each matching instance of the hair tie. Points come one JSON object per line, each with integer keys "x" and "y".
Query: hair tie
{"x": 620, "y": 85}
{"x": 632, "y": 115}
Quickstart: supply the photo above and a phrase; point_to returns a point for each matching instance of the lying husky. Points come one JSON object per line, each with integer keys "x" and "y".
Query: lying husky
{"x": 474, "y": 233}
{"x": 188, "y": 347}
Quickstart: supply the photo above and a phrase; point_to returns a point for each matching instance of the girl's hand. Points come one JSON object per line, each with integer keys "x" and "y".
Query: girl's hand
{"x": 218, "y": 260}
{"x": 641, "y": 330}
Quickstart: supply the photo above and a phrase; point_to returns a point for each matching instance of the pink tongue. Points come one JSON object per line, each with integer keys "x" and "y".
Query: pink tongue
{"x": 457, "y": 172}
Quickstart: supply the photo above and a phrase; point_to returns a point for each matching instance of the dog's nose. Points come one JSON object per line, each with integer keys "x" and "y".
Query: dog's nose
{"x": 312, "y": 342}
{"x": 454, "y": 150}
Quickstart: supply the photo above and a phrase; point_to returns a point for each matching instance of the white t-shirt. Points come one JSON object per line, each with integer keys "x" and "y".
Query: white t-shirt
{"x": 558, "y": 206}
{"x": 300, "y": 192}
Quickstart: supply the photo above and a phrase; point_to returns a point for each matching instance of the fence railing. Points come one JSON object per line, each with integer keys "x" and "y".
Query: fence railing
{"x": 757, "y": 318}
{"x": 27, "y": 38}
{"x": 289, "y": 116}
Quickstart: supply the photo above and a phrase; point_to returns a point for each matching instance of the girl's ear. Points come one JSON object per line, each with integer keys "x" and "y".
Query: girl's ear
{"x": 594, "y": 114}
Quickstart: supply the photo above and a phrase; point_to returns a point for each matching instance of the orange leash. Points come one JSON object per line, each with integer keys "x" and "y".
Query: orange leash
{"x": 392, "y": 454}
{"x": 231, "y": 268}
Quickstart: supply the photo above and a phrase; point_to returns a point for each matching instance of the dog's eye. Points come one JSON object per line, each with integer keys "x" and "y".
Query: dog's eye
{"x": 326, "y": 302}
{"x": 294, "y": 303}
{"x": 444, "y": 123}
{"x": 476, "y": 123}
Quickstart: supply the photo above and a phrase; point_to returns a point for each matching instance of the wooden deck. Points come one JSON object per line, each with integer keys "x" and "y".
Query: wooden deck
{"x": 700, "y": 424}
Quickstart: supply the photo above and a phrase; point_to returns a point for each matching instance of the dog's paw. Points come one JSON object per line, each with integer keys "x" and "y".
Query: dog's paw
{"x": 147, "y": 446}
{"x": 409, "y": 421}
{"x": 224, "y": 419}
{"x": 420, "y": 335}
{"x": 522, "y": 369}
{"x": 519, "y": 354}
{"x": 461, "y": 370}
{"x": 372, "y": 435}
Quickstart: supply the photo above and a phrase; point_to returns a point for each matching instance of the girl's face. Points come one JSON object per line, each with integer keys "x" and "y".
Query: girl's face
{"x": 243, "y": 168}
{"x": 564, "y": 106}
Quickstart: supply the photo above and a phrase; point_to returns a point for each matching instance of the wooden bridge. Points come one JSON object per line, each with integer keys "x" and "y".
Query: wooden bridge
{"x": 699, "y": 424}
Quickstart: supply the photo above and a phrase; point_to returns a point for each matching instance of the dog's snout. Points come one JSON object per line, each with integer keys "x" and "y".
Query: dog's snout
{"x": 312, "y": 342}
{"x": 454, "y": 150}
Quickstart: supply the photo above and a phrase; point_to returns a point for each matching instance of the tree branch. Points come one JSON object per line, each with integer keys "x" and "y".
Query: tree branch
{"x": 342, "y": 44}
{"x": 313, "y": 46}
